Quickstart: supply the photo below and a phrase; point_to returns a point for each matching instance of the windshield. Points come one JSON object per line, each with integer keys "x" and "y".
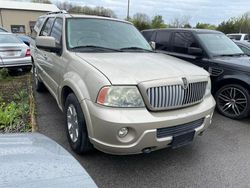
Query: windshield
{"x": 9, "y": 39}
{"x": 219, "y": 44}
{"x": 109, "y": 34}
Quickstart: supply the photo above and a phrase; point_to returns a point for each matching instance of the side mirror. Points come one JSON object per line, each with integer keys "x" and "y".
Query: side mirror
{"x": 47, "y": 43}
{"x": 195, "y": 51}
{"x": 153, "y": 45}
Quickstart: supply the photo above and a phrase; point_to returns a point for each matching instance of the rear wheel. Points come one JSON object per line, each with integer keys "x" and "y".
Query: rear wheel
{"x": 233, "y": 101}
{"x": 38, "y": 84}
{"x": 76, "y": 126}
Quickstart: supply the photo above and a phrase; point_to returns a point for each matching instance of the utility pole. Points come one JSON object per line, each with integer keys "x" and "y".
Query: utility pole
{"x": 128, "y": 10}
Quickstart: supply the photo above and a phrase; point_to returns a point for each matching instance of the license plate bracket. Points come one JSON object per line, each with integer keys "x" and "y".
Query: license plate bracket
{"x": 182, "y": 139}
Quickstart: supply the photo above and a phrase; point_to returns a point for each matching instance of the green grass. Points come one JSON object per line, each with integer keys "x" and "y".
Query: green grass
{"x": 15, "y": 104}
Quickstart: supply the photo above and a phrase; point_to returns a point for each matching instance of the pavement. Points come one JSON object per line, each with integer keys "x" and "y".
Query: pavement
{"x": 220, "y": 158}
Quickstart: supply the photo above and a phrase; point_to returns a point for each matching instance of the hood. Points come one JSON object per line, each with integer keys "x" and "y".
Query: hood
{"x": 134, "y": 68}
{"x": 33, "y": 160}
{"x": 241, "y": 62}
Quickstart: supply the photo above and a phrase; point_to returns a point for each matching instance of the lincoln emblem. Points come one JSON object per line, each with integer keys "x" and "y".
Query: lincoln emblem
{"x": 185, "y": 83}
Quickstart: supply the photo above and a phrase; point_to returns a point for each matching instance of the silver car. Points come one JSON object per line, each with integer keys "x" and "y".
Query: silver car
{"x": 13, "y": 52}
{"x": 33, "y": 160}
{"x": 117, "y": 94}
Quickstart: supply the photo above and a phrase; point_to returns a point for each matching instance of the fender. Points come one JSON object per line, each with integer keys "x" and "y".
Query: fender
{"x": 76, "y": 84}
{"x": 243, "y": 78}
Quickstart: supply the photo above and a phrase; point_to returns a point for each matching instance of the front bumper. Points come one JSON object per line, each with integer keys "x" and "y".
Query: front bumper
{"x": 104, "y": 123}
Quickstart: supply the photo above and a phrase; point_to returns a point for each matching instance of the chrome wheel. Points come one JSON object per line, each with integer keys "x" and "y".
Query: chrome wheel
{"x": 72, "y": 122}
{"x": 232, "y": 101}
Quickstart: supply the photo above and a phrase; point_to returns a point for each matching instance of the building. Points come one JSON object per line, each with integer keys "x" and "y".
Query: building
{"x": 20, "y": 17}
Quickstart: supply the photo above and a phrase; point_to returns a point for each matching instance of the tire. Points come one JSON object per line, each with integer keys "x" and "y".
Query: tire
{"x": 74, "y": 118}
{"x": 39, "y": 86}
{"x": 233, "y": 101}
{"x": 27, "y": 69}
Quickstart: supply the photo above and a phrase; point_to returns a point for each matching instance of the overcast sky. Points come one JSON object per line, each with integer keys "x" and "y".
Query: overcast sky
{"x": 209, "y": 11}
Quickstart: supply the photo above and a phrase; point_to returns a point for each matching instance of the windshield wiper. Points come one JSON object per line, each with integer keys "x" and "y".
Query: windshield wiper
{"x": 229, "y": 55}
{"x": 94, "y": 47}
{"x": 135, "y": 48}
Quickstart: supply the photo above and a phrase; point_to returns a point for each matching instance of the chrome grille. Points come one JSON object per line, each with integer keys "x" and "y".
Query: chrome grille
{"x": 175, "y": 96}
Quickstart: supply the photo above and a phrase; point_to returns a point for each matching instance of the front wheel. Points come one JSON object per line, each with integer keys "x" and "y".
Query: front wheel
{"x": 76, "y": 126}
{"x": 233, "y": 101}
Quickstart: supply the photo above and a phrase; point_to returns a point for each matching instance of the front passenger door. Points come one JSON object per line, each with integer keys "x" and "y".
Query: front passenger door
{"x": 181, "y": 41}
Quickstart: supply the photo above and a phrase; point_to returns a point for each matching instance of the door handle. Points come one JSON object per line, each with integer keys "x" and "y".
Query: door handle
{"x": 45, "y": 56}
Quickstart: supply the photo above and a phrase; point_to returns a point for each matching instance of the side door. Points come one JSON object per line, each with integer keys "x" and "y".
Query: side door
{"x": 55, "y": 63}
{"x": 42, "y": 55}
{"x": 182, "y": 42}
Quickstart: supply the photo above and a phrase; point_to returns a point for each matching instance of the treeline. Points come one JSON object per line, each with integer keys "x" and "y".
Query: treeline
{"x": 143, "y": 21}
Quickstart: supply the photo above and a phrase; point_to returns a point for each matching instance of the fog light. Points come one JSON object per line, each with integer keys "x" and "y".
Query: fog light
{"x": 123, "y": 132}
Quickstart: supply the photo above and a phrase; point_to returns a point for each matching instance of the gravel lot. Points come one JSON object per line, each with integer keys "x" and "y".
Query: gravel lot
{"x": 220, "y": 158}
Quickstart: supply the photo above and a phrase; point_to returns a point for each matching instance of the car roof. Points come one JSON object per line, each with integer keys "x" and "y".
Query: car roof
{"x": 67, "y": 15}
{"x": 237, "y": 34}
{"x": 185, "y": 29}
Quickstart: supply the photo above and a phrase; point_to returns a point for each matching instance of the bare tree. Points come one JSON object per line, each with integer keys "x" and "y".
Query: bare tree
{"x": 179, "y": 22}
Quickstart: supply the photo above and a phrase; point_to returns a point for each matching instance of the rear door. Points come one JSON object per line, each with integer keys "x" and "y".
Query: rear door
{"x": 42, "y": 56}
{"x": 55, "y": 62}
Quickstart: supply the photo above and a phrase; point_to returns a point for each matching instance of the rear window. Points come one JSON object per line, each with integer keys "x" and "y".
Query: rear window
{"x": 235, "y": 37}
{"x": 9, "y": 39}
{"x": 147, "y": 35}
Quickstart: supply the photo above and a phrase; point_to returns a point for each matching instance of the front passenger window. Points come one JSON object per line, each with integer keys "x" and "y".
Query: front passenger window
{"x": 182, "y": 41}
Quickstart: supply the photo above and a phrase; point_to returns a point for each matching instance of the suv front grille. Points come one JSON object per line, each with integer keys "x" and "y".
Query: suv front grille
{"x": 179, "y": 129}
{"x": 175, "y": 96}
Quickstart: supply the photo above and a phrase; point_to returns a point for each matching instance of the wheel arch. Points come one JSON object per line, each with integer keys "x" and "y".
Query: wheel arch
{"x": 232, "y": 80}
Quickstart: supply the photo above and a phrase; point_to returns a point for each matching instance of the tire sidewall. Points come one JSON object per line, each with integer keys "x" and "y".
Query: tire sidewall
{"x": 82, "y": 139}
{"x": 246, "y": 112}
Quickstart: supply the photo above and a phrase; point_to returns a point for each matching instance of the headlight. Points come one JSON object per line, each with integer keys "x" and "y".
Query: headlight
{"x": 120, "y": 96}
{"x": 208, "y": 89}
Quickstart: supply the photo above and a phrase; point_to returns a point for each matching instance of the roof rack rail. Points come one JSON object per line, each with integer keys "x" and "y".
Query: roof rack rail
{"x": 58, "y": 12}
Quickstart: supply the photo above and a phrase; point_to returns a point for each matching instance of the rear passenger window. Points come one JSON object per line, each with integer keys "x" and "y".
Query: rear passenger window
{"x": 56, "y": 31}
{"x": 36, "y": 27}
{"x": 47, "y": 27}
{"x": 182, "y": 41}
{"x": 163, "y": 40}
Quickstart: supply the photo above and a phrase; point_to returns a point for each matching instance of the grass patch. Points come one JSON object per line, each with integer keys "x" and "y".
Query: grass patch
{"x": 16, "y": 103}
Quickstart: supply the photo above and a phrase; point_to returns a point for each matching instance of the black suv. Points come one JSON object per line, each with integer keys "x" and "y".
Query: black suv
{"x": 220, "y": 56}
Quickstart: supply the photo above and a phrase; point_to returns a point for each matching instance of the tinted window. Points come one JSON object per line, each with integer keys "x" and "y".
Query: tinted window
{"x": 235, "y": 37}
{"x": 56, "y": 31}
{"x": 163, "y": 40}
{"x": 47, "y": 27}
{"x": 148, "y": 35}
{"x": 182, "y": 41}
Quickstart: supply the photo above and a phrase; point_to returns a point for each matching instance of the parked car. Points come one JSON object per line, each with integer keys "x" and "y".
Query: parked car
{"x": 116, "y": 93}
{"x": 244, "y": 46}
{"x": 14, "y": 53}
{"x": 33, "y": 160}
{"x": 221, "y": 57}
{"x": 26, "y": 39}
{"x": 239, "y": 36}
